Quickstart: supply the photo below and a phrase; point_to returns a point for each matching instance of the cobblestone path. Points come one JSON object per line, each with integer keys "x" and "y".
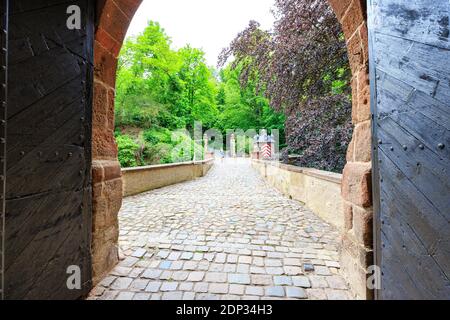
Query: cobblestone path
{"x": 225, "y": 236}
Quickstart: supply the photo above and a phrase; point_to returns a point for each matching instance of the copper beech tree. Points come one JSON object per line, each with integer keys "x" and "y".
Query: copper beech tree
{"x": 302, "y": 67}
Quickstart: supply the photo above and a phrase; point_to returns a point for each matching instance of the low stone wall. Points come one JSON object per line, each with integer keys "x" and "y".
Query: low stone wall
{"x": 326, "y": 194}
{"x": 319, "y": 191}
{"x": 143, "y": 179}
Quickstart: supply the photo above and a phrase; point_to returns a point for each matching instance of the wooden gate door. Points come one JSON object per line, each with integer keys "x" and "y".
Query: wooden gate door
{"x": 410, "y": 75}
{"x": 3, "y": 102}
{"x": 48, "y": 143}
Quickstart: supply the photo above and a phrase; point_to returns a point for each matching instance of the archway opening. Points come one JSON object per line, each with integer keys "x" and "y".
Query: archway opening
{"x": 114, "y": 18}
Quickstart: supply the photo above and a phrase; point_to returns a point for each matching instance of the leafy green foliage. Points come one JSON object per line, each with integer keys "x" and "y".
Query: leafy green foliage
{"x": 160, "y": 90}
{"x": 243, "y": 106}
{"x": 154, "y": 136}
{"x": 158, "y": 86}
{"x": 128, "y": 151}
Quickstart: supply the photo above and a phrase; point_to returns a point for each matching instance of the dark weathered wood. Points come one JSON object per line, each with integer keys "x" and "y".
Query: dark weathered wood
{"x": 410, "y": 52}
{"x": 4, "y": 8}
{"x": 420, "y": 21}
{"x": 48, "y": 194}
{"x": 407, "y": 60}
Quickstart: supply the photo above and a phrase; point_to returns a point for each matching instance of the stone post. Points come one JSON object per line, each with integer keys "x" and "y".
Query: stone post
{"x": 233, "y": 146}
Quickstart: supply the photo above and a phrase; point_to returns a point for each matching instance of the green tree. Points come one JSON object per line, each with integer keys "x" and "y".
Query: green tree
{"x": 146, "y": 68}
{"x": 199, "y": 87}
{"x": 160, "y": 90}
{"x": 243, "y": 106}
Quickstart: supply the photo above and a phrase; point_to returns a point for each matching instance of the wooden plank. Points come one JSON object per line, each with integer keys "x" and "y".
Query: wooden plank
{"x": 4, "y": 45}
{"x": 55, "y": 112}
{"x": 422, "y": 21}
{"x": 49, "y": 192}
{"x": 33, "y": 44}
{"x": 47, "y": 218}
{"x": 428, "y": 172}
{"x": 416, "y": 209}
{"x": 61, "y": 167}
{"x": 410, "y": 78}
{"x": 403, "y": 59}
{"x": 413, "y": 53}
{"x": 402, "y": 279}
{"x": 411, "y": 236}
{"x": 398, "y": 97}
{"x": 35, "y": 81}
{"x": 413, "y": 118}
{"x": 418, "y": 126}
{"x": 20, "y": 6}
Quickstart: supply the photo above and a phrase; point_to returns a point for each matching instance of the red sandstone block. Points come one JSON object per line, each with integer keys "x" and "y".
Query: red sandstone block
{"x": 104, "y": 146}
{"x": 364, "y": 35}
{"x": 108, "y": 42}
{"x": 339, "y": 7}
{"x": 351, "y": 150}
{"x": 110, "y": 109}
{"x": 357, "y": 184}
{"x": 129, "y": 7}
{"x": 361, "y": 97}
{"x": 362, "y": 255}
{"x": 97, "y": 174}
{"x": 114, "y": 20}
{"x": 105, "y": 66}
{"x": 112, "y": 170}
{"x": 100, "y": 116}
{"x": 355, "y": 54}
{"x": 353, "y": 18}
{"x": 363, "y": 142}
{"x": 348, "y": 216}
{"x": 363, "y": 226}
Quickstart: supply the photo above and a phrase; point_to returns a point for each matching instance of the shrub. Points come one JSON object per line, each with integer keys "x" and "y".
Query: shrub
{"x": 128, "y": 151}
{"x": 156, "y": 136}
{"x": 185, "y": 147}
{"x": 160, "y": 153}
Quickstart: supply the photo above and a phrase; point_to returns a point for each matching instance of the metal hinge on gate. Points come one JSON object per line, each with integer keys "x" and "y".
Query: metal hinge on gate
{"x": 3, "y": 118}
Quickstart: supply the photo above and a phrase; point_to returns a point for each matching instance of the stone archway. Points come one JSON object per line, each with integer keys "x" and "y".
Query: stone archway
{"x": 113, "y": 19}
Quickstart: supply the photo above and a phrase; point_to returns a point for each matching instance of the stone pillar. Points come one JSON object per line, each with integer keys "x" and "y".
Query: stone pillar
{"x": 357, "y": 242}
{"x": 113, "y": 19}
{"x": 233, "y": 146}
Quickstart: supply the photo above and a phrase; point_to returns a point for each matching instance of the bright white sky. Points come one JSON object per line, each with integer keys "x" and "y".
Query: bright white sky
{"x": 207, "y": 24}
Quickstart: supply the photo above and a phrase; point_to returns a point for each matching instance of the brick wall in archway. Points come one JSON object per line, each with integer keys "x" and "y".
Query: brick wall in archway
{"x": 113, "y": 19}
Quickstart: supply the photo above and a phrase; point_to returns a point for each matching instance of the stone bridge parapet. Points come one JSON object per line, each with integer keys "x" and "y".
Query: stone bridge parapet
{"x": 142, "y": 179}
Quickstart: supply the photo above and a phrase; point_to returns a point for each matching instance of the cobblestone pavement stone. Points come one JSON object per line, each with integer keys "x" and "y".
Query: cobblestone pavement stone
{"x": 225, "y": 236}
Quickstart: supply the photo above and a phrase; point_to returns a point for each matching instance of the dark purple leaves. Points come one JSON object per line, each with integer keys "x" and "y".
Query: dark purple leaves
{"x": 297, "y": 66}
